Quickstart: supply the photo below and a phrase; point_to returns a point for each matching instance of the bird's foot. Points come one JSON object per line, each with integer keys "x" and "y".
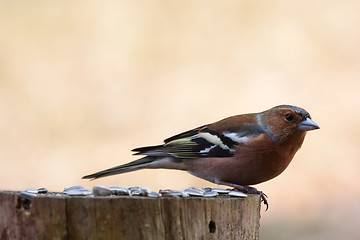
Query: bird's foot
{"x": 251, "y": 190}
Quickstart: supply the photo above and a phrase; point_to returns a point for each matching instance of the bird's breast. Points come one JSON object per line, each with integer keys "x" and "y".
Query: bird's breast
{"x": 255, "y": 161}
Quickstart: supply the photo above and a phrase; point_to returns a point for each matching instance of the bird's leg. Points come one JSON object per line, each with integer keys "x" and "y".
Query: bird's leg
{"x": 248, "y": 189}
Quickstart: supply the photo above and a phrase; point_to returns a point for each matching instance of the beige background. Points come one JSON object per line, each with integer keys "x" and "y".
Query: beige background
{"x": 84, "y": 82}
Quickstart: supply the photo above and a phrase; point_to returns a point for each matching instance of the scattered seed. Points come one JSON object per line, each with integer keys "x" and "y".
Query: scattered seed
{"x": 195, "y": 191}
{"x": 102, "y": 191}
{"x": 119, "y": 191}
{"x": 42, "y": 190}
{"x": 221, "y": 190}
{"x": 31, "y": 190}
{"x": 145, "y": 191}
{"x": 171, "y": 193}
{"x": 78, "y": 192}
{"x": 184, "y": 194}
{"x": 237, "y": 194}
{"x": 73, "y": 188}
{"x": 135, "y": 191}
{"x": 134, "y": 188}
{"x": 210, "y": 194}
{"x": 154, "y": 194}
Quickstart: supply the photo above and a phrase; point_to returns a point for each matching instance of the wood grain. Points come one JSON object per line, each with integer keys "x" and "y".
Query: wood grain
{"x": 62, "y": 217}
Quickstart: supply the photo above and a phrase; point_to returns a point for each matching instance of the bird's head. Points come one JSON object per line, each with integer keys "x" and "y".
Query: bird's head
{"x": 286, "y": 120}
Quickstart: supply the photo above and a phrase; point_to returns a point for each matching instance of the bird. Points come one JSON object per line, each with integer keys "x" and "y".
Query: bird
{"x": 238, "y": 151}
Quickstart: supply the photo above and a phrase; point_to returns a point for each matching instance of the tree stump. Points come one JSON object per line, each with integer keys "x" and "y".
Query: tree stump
{"x": 50, "y": 216}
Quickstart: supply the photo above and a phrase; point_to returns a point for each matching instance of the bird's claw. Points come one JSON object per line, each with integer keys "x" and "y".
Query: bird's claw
{"x": 263, "y": 199}
{"x": 252, "y": 190}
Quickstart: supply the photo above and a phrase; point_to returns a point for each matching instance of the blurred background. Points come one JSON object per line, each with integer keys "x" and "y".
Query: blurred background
{"x": 84, "y": 82}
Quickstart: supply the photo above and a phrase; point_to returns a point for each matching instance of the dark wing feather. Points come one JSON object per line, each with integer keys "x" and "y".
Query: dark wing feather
{"x": 156, "y": 151}
{"x": 184, "y": 134}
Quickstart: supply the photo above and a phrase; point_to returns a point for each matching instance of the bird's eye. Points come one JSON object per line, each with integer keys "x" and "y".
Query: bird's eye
{"x": 289, "y": 117}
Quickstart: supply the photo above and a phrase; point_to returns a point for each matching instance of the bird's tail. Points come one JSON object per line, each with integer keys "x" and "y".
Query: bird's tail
{"x": 128, "y": 167}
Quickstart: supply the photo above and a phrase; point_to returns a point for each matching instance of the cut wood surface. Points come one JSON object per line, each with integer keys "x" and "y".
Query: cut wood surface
{"x": 51, "y": 216}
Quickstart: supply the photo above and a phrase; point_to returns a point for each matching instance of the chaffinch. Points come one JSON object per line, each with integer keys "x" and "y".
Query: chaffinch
{"x": 237, "y": 151}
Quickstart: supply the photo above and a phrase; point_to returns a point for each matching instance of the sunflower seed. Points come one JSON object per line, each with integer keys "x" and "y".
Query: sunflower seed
{"x": 119, "y": 191}
{"x": 184, "y": 194}
{"x": 135, "y": 191}
{"x": 78, "y": 192}
{"x": 102, "y": 191}
{"x": 171, "y": 193}
{"x": 237, "y": 194}
{"x": 154, "y": 194}
{"x": 135, "y": 188}
{"x": 211, "y": 194}
{"x": 73, "y": 188}
{"x": 221, "y": 190}
{"x": 195, "y": 191}
{"x": 145, "y": 191}
{"x": 31, "y": 190}
{"x": 42, "y": 190}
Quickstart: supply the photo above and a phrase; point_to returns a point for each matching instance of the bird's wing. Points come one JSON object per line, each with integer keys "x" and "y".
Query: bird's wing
{"x": 201, "y": 142}
{"x": 206, "y": 141}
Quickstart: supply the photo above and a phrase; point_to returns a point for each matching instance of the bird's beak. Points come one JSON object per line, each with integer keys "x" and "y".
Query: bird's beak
{"x": 308, "y": 125}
